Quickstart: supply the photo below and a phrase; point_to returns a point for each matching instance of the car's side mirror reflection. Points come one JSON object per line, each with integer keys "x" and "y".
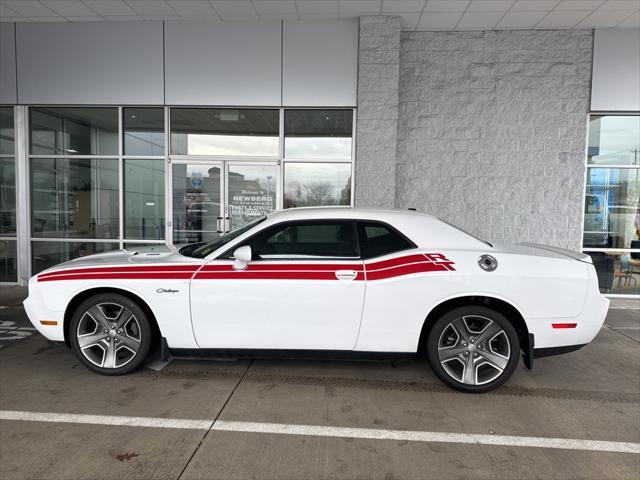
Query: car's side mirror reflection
{"x": 242, "y": 257}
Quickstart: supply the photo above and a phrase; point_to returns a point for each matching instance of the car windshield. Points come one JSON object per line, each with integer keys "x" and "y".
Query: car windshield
{"x": 201, "y": 250}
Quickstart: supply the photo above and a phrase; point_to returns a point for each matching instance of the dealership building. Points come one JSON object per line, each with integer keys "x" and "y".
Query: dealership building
{"x": 518, "y": 121}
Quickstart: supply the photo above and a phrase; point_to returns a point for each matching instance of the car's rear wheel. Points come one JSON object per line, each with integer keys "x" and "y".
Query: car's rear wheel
{"x": 473, "y": 349}
{"x": 110, "y": 334}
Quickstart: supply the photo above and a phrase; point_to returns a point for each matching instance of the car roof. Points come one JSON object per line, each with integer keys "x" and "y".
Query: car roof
{"x": 344, "y": 212}
{"x": 424, "y": 230}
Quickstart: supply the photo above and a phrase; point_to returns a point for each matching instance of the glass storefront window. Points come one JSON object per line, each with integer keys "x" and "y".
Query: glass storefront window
{"x": 612, "y": 207}
{"x": 612, "y": 202}
{"x": 7, "y": 196}
{"x": 7, "y": 132}
{"x": 144, "y": 199}
{"x": 252, "y": 193}
{"x": 143, "y": 131}
{"x": 316, "y": 184}
{"x": 320, "y": 134}
{"x": 8, "y": 261}
{"x": 48, "y": 254}
{"x": 74, "y": 131}
{"x": 196, "y": 202}
{"x": 74, "y": 197}
{"x": 224, "y": 131}
{"x": 618, "y": 272}
{"x": 614, "y": 140}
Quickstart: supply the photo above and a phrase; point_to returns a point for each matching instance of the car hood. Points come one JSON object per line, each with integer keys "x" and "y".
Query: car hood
{"x": 142, "y": 255}
{"x": 540, "y": 250}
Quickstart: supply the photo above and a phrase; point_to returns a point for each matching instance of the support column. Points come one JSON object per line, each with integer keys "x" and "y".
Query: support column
{"x": 377, "y": 114}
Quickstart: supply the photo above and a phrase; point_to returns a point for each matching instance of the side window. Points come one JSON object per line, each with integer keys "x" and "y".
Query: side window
{"x": 378, "y": 239}
{"x": 321, "y": 239}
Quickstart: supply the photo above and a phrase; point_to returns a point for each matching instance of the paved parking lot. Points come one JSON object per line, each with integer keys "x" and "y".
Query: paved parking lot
{"x": 330, "y": 420}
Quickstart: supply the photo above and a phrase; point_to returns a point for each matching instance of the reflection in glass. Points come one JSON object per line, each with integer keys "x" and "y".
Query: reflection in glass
{"x": 143, "y": 131}
{"x": 315, "y": 184}
{"x": 618, "y": 272}
{"x": 74, "y": 131}
{"x": 7, "y": 196}
{"x": 224, "y": 131}
{"x": 8, "y": 261}
{"x": 7, "y": 133}
{"x": 48, "y": 254}
{"x": 74, "y": 197}
{"x": 196, "y": 202}
{"x": 612, "y": 208}
{"x": 252, "y": 193}
{"x": 133, "y": 246}
{"x": 144, "y": 199}
{"x": 614, "y": 140}
{"x": 318, "y": 134}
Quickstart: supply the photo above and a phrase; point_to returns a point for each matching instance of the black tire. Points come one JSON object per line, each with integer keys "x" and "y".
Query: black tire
{"x": 135, "y": 332}
{"x": 449, "y": 354}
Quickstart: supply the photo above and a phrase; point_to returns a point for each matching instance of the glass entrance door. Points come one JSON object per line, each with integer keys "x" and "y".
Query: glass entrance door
{"x": 197, "y": 201}
{"x": 251, "y": 192}
{"x": 210, "y": 198}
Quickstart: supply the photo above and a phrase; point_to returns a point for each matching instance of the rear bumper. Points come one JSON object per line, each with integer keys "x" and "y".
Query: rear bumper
{"x": 552, "y": 351}
{"x": 587, "y": 324}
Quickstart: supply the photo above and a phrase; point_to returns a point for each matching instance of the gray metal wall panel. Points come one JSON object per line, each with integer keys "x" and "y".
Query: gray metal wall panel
{"x": 616, "y": 70}
{"x": 236, "y": 64}
{"x": 90, "y": 63}
{"x": 8, "y": 93}
{"x": 320, "y": 63}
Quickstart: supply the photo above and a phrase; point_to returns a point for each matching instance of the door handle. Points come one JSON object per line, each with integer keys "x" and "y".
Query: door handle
{"x": 346, "y": 274}
{"x": 219, "y": 225}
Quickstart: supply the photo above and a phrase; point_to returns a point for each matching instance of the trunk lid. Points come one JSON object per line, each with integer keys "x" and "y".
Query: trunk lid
{"x": 540, "y": 250}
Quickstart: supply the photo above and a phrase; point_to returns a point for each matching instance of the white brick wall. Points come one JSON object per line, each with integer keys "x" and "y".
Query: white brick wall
{"x": 491, "y": 131}
{"x": 377, "y": 115}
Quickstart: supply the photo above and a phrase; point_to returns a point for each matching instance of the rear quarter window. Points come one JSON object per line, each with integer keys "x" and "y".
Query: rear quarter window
{"x": 377, "y": 239}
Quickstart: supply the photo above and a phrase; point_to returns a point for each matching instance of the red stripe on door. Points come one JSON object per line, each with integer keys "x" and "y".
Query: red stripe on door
{"x": 285, "y": 266}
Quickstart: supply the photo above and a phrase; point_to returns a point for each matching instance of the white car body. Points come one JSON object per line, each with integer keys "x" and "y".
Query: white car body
{"x": 377, "y": 305}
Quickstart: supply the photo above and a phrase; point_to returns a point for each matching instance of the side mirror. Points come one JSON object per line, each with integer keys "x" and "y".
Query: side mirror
{"x": 242, "y": 257}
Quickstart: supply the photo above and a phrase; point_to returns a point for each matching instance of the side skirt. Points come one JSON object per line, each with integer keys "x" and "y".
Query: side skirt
{"x": 268, "y": 354}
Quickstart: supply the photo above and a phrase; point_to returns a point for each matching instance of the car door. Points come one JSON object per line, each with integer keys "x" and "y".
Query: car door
{"x": 303, "y": 289}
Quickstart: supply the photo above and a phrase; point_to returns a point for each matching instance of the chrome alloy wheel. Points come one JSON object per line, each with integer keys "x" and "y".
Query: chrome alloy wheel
{"x": 473, "y": 350}
{"x": 109, "y": 335}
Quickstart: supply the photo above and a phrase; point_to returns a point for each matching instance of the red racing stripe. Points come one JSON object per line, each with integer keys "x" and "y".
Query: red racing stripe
{"x": 121, "y": 276}
{"x": 394, "y": 262}
{"x": 124, "y": 268}
{"x": 257, "y": 267}
{"x": 401, "y": 270}
{"x": 399, "y": 266}
{"x": 272, "y": 275}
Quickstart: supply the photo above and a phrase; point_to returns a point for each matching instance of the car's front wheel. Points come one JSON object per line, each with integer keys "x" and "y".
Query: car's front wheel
{"x": 473, "y": 349}
{"x": 110, "y": 334}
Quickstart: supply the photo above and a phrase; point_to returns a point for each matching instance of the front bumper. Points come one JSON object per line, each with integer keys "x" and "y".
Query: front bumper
{"x": 38, "y": 312}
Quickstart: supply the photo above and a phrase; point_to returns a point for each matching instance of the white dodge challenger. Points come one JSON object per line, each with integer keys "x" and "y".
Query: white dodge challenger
{"x": 336, "y": 282}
